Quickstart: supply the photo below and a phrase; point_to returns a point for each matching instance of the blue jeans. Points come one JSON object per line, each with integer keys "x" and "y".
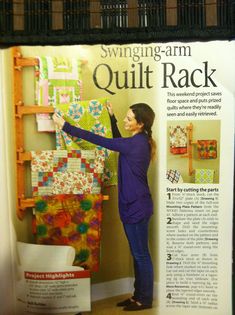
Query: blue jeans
{"x": 137, "y": 235}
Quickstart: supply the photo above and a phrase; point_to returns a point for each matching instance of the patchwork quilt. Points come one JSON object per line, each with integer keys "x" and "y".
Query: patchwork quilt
{"x": 73, "y": 220}
{"x": 207, "y": 149}
{"x": 67, "y": 172}
{"x": 174, "y": 176}
{"x": 90, "y": 115}
{"x": 204, "y": 176}
{"x": 57, "y": 81}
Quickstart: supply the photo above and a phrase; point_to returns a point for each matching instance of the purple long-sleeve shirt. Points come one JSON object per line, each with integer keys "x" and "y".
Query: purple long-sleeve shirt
{"x": 134, "y": 198}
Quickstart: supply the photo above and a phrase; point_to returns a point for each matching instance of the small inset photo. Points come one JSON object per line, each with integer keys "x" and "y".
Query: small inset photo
{"x": 193, "y": 151}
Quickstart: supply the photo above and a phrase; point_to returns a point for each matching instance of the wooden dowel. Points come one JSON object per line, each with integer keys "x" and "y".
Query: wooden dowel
{"x": 29, "y": 62}
{"x": 29, "y": 202}
{"x": 33, "y": 109}
{"x": 25, "y": 156}
{"x": 26, "y": 62}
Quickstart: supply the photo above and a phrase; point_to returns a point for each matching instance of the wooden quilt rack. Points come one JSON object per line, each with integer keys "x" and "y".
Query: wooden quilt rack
{"x": 19, "y": 63}
{"x": 189, "y": 155}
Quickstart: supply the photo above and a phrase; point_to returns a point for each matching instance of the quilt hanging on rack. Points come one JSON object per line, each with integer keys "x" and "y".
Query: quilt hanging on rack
{"x": 178, "y": 140}
{"x": 90, "y": 115}
{"x": 207, "y": 149}
{"x": 67, "y": 172}
{"x": 57, "y": 81}
{"x": 73, "y": 220}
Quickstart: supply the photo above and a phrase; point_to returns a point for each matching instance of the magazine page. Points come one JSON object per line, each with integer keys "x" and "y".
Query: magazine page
{"x": 53, "y": 290}
{"x": 190, "y": 87}
{"x": 52, "y": 287}
{"x": 196, "y": 131}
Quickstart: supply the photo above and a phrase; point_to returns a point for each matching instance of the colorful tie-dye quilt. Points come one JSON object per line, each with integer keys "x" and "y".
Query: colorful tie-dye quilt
{"x": 73, "y": 220}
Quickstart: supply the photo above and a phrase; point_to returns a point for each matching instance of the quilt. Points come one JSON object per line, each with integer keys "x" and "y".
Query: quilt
{"x": 67, "y": 172}
{"x": 90, "y": 115}
{"x": 204, "y": 176}
{"x": 73, "y": 220}
{"x": 174, "y": 176}
{"x": 207, "y": 149}
{"x": 178, "y": 140}
{"x": 57, "y": 81}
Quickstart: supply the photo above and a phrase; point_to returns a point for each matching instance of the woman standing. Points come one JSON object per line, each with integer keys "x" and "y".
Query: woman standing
{"x": 134, "y": 198}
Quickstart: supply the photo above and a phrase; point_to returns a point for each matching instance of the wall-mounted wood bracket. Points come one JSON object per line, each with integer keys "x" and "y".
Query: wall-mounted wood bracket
{"x": 20, "y": 109}
{"x": 32, "y": 109}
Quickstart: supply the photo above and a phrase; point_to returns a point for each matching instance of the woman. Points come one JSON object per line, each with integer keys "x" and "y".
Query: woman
{"x": 134, "y": 198}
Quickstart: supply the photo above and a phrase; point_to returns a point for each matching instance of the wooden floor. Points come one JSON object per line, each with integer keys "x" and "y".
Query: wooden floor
{"x": 108, "y": 307}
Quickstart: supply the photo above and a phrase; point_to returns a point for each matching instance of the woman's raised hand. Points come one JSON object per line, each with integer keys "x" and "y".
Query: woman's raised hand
{"x": 109, "y": 108}
{"x": 58, "y": 120}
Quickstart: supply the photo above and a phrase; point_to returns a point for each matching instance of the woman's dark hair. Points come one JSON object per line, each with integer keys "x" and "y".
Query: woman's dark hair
{"x": 145, "y": 115}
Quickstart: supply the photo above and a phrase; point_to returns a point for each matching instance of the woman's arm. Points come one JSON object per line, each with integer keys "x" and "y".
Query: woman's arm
{"x": 115, "y": 144}
{"x": 115, "y": 130}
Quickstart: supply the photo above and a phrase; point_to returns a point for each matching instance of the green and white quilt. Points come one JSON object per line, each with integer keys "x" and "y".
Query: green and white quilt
{"x": 57, "y": 81}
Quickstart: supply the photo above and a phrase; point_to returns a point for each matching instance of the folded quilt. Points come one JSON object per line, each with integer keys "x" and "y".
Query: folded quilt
{"x": 93, "y": 116}
{"x": 73, "y": 220}
{"x": 204, "y": 176}
{"x": 57, "y": 81}
{"x": 174, "y": 176}
{"x": 67, "y": 172}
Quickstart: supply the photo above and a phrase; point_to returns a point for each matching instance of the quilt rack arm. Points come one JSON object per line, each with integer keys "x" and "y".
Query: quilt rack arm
{"x": 22, "y": 203}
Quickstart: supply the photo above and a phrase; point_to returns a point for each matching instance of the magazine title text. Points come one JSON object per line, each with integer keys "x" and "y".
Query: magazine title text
{"x": 140, "y": 73}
